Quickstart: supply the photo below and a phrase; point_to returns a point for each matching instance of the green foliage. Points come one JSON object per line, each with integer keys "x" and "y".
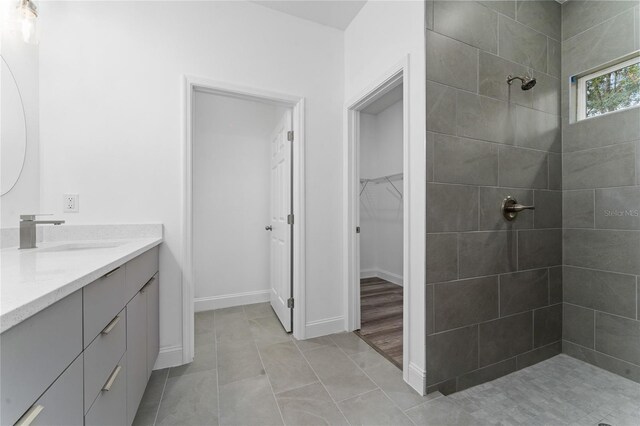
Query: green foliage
{"x": 613, "y": 91}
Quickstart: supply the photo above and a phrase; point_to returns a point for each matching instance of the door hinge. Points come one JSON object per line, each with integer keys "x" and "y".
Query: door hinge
{"x": 289, "y": 219}
{"x": 290, "y": 302}
{"x": 290, "y": 135}
{"x": 357, "y": 229}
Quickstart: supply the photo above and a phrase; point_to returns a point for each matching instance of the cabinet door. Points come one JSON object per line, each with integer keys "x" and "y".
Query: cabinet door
{"x": 136, "y": 352}
{"x": 153, "y": 322}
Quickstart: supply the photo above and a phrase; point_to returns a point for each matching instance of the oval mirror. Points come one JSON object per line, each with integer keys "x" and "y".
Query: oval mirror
{"x": 13, "y": 130}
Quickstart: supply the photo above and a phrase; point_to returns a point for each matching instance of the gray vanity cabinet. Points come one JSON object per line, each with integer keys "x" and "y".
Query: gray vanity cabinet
{"x": 86, "y": 358}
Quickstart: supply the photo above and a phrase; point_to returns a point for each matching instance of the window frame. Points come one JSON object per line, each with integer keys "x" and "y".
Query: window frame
{"x": 581, "y": 84}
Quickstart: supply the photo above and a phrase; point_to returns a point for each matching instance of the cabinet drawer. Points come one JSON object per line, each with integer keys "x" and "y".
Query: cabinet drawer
{"x": 103, "y": 299}
{"x": 110, "y": 407}
{"x": 61, "y": 404}
{"x": 102, "y": 355}
{"x": 35, "y": 352}
{"x": 140, "y": 270}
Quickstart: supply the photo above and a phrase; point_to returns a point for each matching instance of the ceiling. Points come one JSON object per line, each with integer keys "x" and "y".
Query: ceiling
{"x": 333, "y": 13}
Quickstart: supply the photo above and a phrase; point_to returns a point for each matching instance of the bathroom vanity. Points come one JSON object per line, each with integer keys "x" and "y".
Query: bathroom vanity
{"x": 80, "y": 331}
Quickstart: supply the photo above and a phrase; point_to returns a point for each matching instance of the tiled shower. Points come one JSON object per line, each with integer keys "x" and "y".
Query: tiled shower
{"x": 563, "y": 278}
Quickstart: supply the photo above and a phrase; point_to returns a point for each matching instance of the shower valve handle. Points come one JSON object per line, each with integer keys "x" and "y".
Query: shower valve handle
{"x": 511, "y": 208}
{"x": 517, "y": 208}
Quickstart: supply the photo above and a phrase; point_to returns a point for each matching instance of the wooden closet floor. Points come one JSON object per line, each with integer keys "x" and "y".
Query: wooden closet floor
{"x": 381, "y": 317}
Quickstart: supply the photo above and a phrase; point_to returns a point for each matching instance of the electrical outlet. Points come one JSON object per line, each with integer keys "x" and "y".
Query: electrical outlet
{"x": 70, "y": 203}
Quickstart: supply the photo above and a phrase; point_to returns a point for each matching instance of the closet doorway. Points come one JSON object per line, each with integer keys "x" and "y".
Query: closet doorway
{"x": 381, "y": 224}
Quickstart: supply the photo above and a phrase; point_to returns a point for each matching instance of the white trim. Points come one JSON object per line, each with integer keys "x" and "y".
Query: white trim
{"x": 169, "y": 356}
{"x": 380, "y": 273}
{"x": 297, "y": 104}
{"x": 414, "y": 219}
{"x": 228, "y": 300}
{"x": 324, "y": 327}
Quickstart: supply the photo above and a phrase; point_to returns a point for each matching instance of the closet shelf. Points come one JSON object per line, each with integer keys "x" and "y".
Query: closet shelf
{"x": 382, "y": 179}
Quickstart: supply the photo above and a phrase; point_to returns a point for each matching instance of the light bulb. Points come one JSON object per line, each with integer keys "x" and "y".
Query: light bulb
{"x": 28, "y": 20}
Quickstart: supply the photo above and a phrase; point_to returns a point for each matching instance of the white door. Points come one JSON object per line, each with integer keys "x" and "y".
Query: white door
{"x": 280, "y": 226}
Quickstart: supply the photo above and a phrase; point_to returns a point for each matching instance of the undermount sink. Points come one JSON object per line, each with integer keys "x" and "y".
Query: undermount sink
{"x": 82, "y": 246}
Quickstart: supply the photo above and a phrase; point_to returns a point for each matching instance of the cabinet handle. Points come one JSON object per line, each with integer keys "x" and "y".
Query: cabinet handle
{"x": 110, "y": 326}
{"x": 112, "y": 378}
{"x": 30, "y": 415}
{"x": 108, "y": 274}
{"x": 144, "y": 287}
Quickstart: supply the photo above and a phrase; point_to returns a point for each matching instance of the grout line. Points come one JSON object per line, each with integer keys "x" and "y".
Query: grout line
{"x": 164, "y": 386}
{"x": 273, "y": 394}
{"x": 215, "y": 342}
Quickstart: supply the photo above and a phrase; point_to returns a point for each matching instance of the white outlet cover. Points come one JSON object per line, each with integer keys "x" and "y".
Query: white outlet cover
{"x": 70, "y": 203}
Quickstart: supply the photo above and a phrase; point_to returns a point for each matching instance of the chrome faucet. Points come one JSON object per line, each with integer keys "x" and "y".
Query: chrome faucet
{"x": 28, "y": 224}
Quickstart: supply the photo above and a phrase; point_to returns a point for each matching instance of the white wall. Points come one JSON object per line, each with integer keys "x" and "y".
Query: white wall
{"x": 380, "y": 205}
{"x": 231, "y": 187}
{"x": 111, "y": 76}
{"x": 380, "y": 36}
{"x": 22, "y": 58}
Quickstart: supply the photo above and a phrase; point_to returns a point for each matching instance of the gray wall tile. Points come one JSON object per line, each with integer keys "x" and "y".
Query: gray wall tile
{"x": 539, "y": 248}
{"x": 548, "y": 213}
{"x": 505, "y": 7}
{"x": 618, "y": 337}
{"x": 600, "y": 167}
{"x": 451, "y": 354}
{"x": 616, "y": 251}
{"x": 618, "y": 208}
{"x": 484, "y": 118}
{"x": 618, "y": 127}
{"x": 521, "y": 44}
{"x": 441, "y": 108}
{"x": 555, "y": 171}
{"x": 442, "y": 257}
{"x": 451, "y": 62}
{"x": 555, "y": 284}
{"x": 469, "y": 22}
{"x": 466, "y": 161}
{"x": 491, "y": 216}
{"x": 541, "y": 15}
{"x": 598, "y": 45}
{"x": 622, "y": 368}
{"x": 539, "y": 354}
{"x": 546, "y": 95}
{"x": 523, "y": 291}
{"x": 428, "y": 14}
{"x": 504, "y": 338}
{"x": 554, "y": 50}
{"x": 638, "y": 159}
{"x": 580, "y": 15}
{"x": 547, "y": 325}
{"x": 493, "y": 80}
{"x": 465, "y": 302}
{"x": 578, "y": 325}
{"x": 538, "y": 130}
{"x": 603, "y": 291}
{"x": 486, "y": 374}
{"x": 451, "y": 208}
{"x": 577, "y": 210}
{"x": 487, "y": 253}
{"x": 522, "y": 168}
{"x": 430, "y": 141}
{"x": 430, "y": 308}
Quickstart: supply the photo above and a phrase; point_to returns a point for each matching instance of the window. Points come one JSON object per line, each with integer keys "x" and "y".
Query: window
{"x": 610, "y": 89}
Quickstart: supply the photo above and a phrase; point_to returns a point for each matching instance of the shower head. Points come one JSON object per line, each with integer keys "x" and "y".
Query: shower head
{"x": 527, "y": 82}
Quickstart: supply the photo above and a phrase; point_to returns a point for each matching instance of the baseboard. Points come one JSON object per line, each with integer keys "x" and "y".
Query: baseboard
{"x": 385, "y": 275}
{"x": 228, "y": 300}
{"x": 169, "y": 356}
{"x": 324, "y": 327}
{"x": 417, "y": 378}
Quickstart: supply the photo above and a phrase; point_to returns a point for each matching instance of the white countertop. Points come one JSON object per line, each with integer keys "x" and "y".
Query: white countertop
{"x": 33, "y": 279}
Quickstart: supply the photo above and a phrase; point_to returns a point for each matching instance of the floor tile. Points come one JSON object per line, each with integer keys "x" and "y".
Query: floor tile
{"x": 309, "y": 405}
{"x": 249, "y": 402}
{"x": 341, "y": 377}
{"x": 313, "y": 343}
{"x": 350, "y": 343}
{"x": 370, "y": 358}
{"x": 286, "y": 367}
{"x": 441, "y": 412}
{"x": 373, "y": 408}
{"x": 204, "y": 359}
{"x": 389, "y": 378}
{"x": 191, "y": 399}
{"x": 150, "y": 402}
{"x": 268, "y": 330}
{"x": 238, "y": 360}
{"x": 258, "y": 310}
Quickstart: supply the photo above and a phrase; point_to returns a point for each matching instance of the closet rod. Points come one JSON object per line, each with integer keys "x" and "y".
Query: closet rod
{"x": 382, "y": 179}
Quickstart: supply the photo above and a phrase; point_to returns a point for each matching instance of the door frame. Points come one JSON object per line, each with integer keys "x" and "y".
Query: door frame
{"x": 414, "y": 215}
{"x": 191, "y": 84}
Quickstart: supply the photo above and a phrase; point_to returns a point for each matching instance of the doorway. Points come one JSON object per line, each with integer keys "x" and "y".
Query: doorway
{"x": 244, "y": 216}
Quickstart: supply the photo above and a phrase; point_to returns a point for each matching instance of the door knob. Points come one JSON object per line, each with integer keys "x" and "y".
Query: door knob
{"x": 268, "y": 228}
{"x": 511, "y": 208}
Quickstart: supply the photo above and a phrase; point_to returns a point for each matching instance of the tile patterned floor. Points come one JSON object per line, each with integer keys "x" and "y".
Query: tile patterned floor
{"x": 247, "y": 371}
